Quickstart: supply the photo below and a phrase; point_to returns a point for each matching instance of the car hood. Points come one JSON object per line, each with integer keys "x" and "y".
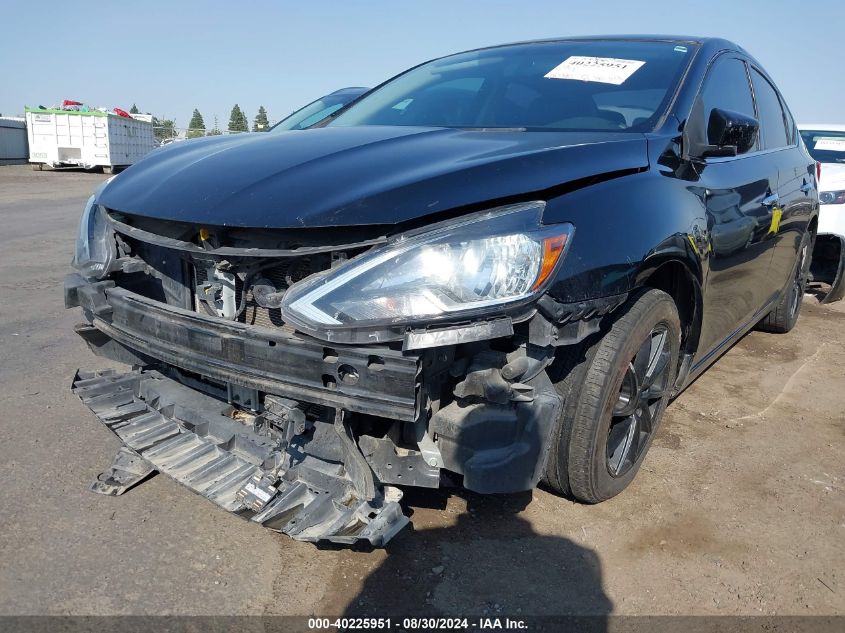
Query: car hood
{"x": 833, "y": 177}
{"x": 346, "y": 176}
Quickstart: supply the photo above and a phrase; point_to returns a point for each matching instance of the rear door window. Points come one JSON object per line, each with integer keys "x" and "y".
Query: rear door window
{"x": 770, "y": 113}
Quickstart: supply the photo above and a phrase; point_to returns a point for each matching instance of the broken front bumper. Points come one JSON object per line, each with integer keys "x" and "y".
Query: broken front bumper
{"x": 193, "y": 438}
{"x": 218, "y": 450}
{"x": 371, "y": 380}
{"x": 330, "y": 429}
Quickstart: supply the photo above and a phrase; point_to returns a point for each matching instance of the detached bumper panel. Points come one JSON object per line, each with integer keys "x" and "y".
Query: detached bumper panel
{"x": 193, "y": 438}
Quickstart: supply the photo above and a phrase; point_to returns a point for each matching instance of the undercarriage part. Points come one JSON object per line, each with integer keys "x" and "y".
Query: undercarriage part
{"x": 127, "y": 470}
{"x": 216, "y": 451}
{"x": 402, "y": 467}
{"x": 828, "y": 266}
{"x": 497, "y": 432}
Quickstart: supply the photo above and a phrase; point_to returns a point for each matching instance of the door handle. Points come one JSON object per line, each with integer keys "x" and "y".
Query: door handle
{"x": 805, "y": 188}
{"x": 770, "y": 200}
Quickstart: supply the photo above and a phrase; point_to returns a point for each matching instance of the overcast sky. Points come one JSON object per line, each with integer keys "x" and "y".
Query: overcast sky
{"x": 172, "y": 57}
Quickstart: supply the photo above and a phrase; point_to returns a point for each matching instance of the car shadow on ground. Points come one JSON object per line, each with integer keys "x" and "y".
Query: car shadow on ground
{"x": 488, "y": 563}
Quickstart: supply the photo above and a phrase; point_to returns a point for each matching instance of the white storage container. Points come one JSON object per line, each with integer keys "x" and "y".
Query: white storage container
{"x": 87, "y": 139}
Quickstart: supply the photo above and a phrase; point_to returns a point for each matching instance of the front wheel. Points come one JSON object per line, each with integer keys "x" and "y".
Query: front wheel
{"x": 615, "y": 391}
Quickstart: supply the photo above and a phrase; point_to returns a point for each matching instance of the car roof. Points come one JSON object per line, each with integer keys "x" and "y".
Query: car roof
{"x": 629, "y": 37}
{"x": 685, "y": 39}
{"x": 821, "y": 127}
{"x": 708, "y": 45}
{"x": 351, "y": 90}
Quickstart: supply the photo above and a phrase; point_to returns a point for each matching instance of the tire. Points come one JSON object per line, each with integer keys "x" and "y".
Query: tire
{"x": 594, "y": 379}
{"x": 785, "y": 314}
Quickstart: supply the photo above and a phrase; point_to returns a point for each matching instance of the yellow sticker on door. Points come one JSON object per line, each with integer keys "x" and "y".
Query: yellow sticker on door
{"x": 777, "y": 212}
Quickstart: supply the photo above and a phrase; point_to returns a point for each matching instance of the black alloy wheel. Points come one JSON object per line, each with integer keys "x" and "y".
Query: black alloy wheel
{"x": 615, "y": 387}
{"x": 634, "y": 416}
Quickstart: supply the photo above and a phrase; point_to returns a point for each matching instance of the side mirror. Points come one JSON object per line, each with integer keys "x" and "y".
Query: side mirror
{"x": 730, "y": 133}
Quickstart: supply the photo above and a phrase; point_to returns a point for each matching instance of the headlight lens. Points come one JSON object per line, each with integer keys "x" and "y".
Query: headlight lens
{"x": 832, "y": 197}
{"x": 486, "y": 262}
{"x": 95, "y": 249}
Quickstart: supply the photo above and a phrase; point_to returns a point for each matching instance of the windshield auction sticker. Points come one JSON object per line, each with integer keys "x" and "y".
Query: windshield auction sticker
{"x": 831, "y": 144}
{"x": 606, "y": 70}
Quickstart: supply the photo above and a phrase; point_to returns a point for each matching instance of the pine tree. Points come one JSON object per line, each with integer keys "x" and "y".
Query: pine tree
{"x": 197, "y": 126}
{"x": 261, "y": 123}
{"x": 134, "y": 109}
{"x": 215, "y": 131}
{"x": 237, "y": 120}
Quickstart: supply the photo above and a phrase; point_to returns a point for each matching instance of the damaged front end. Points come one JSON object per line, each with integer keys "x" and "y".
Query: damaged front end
{"x": 259, "y": 385}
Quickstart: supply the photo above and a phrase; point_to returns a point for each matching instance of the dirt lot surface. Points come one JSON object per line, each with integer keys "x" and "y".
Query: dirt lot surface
{"x": 739, "y": 509}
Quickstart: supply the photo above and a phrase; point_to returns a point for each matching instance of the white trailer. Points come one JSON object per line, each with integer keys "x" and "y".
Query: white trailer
{"x": 87, "y": 139}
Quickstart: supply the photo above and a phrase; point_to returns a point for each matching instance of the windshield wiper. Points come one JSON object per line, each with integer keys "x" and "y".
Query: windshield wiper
{"x": 495, "y": 129}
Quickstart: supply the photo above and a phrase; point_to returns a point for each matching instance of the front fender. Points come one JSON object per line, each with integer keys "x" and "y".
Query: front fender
{"x": 625, "y": 229}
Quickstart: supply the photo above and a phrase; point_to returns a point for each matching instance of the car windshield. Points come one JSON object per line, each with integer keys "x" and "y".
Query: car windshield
{"x": 563, "y": 85}
{"x": 825, "y": 146}
{"x": 315, "y": 111}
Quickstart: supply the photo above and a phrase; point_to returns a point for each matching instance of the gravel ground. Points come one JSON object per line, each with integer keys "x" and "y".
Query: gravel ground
{"x": 739, "y": 508}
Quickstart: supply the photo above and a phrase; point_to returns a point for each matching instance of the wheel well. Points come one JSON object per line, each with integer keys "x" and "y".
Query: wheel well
{"x": 675, "y": 279}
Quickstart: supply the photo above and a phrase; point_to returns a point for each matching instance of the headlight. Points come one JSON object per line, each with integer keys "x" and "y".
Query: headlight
{"x": 832, "y": 197}
{"x": 488, "y": 262}
{"x": 95, "y": 249}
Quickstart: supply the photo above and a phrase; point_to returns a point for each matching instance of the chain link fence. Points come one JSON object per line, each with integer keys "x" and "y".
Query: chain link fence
{"x": 166, "y": 134}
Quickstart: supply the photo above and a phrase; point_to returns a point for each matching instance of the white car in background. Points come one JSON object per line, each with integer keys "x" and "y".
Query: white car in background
{"x": 826, "y": 143}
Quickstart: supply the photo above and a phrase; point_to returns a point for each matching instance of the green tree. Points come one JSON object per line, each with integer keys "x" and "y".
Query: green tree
{"x": 197, "y": 126}
{"x": 134, "y": 109}
{"x": 261, "y": 123}
{"x": 163, "y": 128}
{"x": 215, "y": 131}
{"x": 237, "y": 120}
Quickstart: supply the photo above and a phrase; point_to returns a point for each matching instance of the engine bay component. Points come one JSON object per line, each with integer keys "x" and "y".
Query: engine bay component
{"x": 266, "y": 295}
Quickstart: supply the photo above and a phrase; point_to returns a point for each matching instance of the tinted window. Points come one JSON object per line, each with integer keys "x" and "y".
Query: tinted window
{"x": 825, "y": 146}
{"x": 564, "y": 85}
{"x": 791, "y": 131}
{"x": 770, "y": 113}
{"x": 726, "y": 87}
{"x": 315, "y": 112}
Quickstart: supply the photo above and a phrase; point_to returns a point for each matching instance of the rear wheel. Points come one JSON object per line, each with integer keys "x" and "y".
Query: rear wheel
{"x": 785, "y": 315}
{"x": 615, "y": 388}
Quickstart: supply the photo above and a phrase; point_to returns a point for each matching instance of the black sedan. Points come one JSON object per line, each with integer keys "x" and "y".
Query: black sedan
{"x": 496, "y": 268}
